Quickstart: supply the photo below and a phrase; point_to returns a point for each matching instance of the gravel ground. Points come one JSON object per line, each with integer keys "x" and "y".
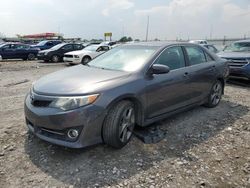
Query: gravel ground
{"x": 203, "y": 147}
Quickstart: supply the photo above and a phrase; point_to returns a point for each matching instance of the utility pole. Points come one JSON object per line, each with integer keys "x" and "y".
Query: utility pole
{"x": 123, "y": 31}
{"x": 147, "y": 30}
{"x": 211, "y": 31}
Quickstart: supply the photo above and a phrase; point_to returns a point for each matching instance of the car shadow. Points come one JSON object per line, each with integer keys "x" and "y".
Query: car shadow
{"x": 48, "y": 62}
{"x": 103, "y": 166}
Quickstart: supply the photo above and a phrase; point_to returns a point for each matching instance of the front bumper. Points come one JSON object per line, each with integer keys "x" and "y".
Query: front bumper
{"x": 51, "y": 124}
{"x": 243, "y": 72}
{"x": 72, "y": 60}
{"x": 43, "y": 57}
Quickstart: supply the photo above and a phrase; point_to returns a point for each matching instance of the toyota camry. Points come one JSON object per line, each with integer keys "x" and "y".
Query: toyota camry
{"x": 131, "y": 85}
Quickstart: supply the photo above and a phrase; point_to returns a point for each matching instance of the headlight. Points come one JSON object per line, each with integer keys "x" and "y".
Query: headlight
{"x": 76, "y": 56}
{"x": 70, "y": 103}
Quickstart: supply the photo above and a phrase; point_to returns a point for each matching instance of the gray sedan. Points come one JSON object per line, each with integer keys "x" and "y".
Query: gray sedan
{"x": 131, "y": 85}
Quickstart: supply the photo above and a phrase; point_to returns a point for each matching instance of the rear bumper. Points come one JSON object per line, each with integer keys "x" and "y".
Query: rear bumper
{"x": 240, "y": 71}
{"x": 52, "y": 125}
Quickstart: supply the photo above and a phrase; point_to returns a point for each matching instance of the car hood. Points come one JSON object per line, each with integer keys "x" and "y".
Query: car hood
{"x": 78, "y": 52}
{"x": 45, "y": 51}
{"x": 234, "y": 55}
{"x": 77, "y": 80}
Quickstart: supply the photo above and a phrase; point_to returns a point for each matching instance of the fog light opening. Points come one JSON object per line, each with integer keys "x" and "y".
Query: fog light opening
{"x": 73, "y": 133}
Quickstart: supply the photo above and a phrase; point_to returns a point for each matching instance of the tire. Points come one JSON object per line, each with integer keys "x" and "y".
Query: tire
{"x": 55, "y": 58}
{"x": 31, "y": 56}
{"x": 85, "y": 60}
{"x": 119, "y": 125}
{"x": 214, "y": 97}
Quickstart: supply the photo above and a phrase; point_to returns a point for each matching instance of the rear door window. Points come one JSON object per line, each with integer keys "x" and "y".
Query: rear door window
{"x": 67, "y": 47}
{"x": 21, "y": 47}
{"x": 195, "y": 55}
{"x": 172, "y": 57}
{"x": 78, "y": 46}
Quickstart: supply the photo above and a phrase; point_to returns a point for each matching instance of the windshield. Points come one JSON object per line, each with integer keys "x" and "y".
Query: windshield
{"x": 41, "y": 43}
{"x": 91, "y": 48}
{"x": 1, "y": 45}
{"x": 56, "y": 47}
{"x": 238, "y": 47}
{"x": 126, "y": 58}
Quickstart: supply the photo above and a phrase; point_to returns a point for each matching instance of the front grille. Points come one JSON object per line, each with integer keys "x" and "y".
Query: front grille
{"x": 40, "y": 103}
{"x": 237, "y": 62}
{"x": 69, "y": 56}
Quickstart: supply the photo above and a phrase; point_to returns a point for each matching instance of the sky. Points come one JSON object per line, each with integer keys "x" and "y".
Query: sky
{"x": 88, "y": 19}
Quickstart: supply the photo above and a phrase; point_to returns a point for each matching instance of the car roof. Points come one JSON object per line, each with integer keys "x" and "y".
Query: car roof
{"x": 157, "y": 44}
{"x": 248, "y": 40}
{"x": 15, "y": 43}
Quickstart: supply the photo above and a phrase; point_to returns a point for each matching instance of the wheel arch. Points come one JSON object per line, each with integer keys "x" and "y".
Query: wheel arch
{"x": 138, "y": 106}
{"x": 222, "y": 80}
{"x": 86, "y": 55}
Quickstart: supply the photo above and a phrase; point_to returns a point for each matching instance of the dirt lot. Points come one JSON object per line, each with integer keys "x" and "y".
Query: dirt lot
{"x": 203, "y": 148}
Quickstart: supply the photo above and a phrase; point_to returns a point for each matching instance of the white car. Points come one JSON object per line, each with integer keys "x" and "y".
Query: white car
{"x": 198, "y": 41}
{"x": 85, "y": 55}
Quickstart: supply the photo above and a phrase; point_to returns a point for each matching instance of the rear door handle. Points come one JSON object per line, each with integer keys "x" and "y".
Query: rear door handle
{"x": 212, "y": 68}
{"x": 185, "y": 74}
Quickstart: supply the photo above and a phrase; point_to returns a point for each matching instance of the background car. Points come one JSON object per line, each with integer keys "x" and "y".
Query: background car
{"x": 109, "y": 43}
{"x": 85, "y": 55}
{"x": 46, "y": 44}
{"x": 198, "y": 41}
{"x": 18, "y": 51}
{"x": 56, "y": 53}
{"x": 238, "y": 56}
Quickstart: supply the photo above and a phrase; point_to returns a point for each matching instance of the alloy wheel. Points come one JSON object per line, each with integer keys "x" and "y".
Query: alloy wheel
{"x": 55, "y": 58}
{"x": 216, "y": 93}
{"x": 127, "y": 124}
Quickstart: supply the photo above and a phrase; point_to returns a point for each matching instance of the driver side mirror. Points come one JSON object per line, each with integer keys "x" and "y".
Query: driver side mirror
{"x": 159, "y": 69}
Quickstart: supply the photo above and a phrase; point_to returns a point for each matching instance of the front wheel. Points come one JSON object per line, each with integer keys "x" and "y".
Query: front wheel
{"x": 55, "y": 58}
{"x": 215, "y": 95}
{"x": 31, "y": 57}
{"x": 119, "y": 125}
{"x": 85, "y": 60}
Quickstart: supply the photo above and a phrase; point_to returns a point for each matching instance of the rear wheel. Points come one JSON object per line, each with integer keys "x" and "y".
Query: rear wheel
{"x": 119, "y": 124}
{"x": 85, "y": 60}
{"x": 55, "y": 58}
{"x": 215, "y": 95}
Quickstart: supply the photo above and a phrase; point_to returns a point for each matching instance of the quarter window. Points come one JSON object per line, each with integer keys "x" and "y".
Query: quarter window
{"x": 172, "y": 57}
{"x": 6, "y": 47}
{"x": 195, "y": 55}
